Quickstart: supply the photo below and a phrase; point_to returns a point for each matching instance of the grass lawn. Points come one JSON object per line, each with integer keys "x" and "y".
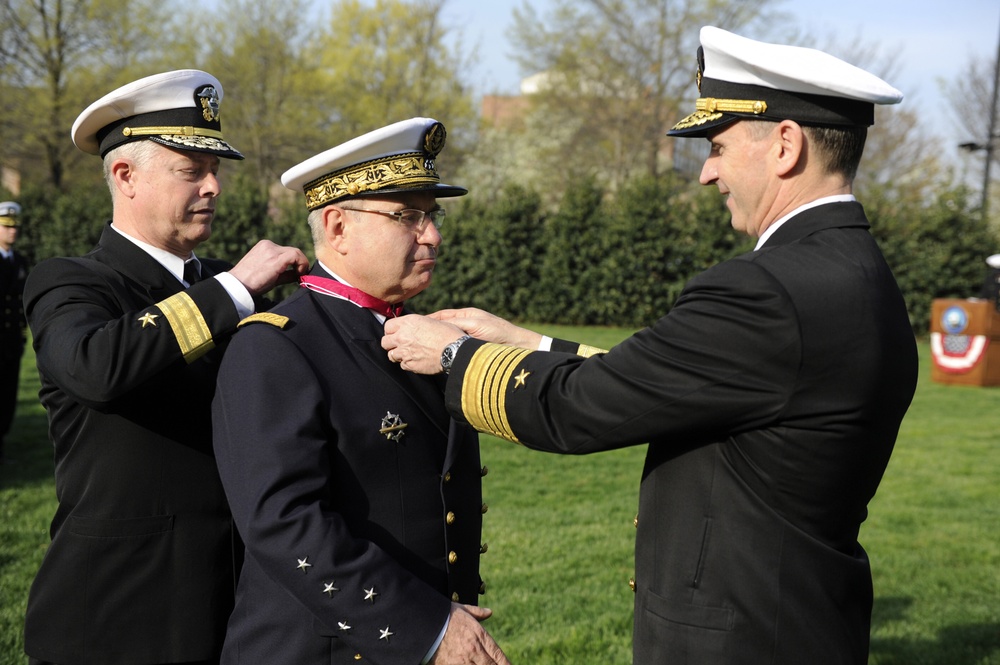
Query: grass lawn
{"x": 560, "y": 536}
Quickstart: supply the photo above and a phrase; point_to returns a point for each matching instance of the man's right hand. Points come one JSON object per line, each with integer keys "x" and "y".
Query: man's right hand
{"x": 266, "y": 265}
{"x": 466, "y": 642}
{"x": 489, "y": 327}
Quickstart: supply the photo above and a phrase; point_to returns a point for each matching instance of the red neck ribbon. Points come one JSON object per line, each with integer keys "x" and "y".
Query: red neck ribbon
{"x": 331, "y": 287}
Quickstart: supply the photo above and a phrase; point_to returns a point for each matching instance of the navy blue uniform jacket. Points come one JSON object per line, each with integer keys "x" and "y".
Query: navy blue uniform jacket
{"x": 358, "y": 497}
{"x": 770, "y": 397}
{"x": 141, "y": 565}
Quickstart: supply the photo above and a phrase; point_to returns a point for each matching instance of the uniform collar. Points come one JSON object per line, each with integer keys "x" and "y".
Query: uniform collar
{"x": 839, "y": 198}
{"x": 173, "y": 263}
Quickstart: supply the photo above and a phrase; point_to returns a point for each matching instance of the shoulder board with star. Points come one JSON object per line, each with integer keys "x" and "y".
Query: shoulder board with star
{"x": 276, "y": 320}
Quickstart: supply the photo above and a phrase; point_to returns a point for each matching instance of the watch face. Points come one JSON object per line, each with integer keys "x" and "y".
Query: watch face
{"x": 448, "y": 355}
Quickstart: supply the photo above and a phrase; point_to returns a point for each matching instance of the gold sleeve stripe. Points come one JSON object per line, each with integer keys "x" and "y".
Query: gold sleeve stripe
{"x": 189, "y": 326}
{"x": 484, "y": 389}
{"x": 586, "y": 351}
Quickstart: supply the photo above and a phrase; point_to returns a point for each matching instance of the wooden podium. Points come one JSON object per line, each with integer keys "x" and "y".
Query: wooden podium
{"x": 965, "y": 342}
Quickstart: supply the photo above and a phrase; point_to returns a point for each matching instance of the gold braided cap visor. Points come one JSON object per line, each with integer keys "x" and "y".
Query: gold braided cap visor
{"x": 395, "y": 172}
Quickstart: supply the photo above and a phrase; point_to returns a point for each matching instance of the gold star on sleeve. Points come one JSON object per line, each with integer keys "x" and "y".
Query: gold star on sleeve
{"x": 148, "y": 319}
{"x": 520, "y": 378}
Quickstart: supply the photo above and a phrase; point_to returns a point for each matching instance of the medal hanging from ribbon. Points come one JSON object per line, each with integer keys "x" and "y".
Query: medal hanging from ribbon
{"x": 331, "y": 287}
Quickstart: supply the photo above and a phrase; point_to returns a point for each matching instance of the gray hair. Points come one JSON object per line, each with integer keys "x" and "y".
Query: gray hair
{"x": 139, "y": 153}
{"x": 316, "y": 225}
{"x": 316, "y": 222}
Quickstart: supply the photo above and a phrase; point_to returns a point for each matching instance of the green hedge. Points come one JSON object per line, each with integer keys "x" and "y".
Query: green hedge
{"x": 595, "y": 259}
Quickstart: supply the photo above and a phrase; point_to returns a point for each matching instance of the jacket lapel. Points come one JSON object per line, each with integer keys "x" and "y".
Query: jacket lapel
{"x": 119, "y": 253}
{"x": 365, "y": 333}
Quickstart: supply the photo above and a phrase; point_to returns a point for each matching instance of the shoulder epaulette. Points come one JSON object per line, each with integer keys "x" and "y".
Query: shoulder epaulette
{"x": 275, "y": 320}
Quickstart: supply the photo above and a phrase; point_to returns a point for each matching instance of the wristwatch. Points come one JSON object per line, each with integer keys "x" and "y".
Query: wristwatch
{"x": 448, "y": 355}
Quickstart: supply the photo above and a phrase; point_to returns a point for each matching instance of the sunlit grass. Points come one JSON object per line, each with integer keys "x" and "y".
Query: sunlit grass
{"x": 561, "y": 536}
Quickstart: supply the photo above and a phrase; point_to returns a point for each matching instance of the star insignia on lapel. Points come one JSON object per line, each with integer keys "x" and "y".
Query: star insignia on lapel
{"x": 329, "y": 588}
{"x": 344, "y": 625}
{"x": 370, "y": 594}
{"x": 519, "y": 379}
{"x": 148, "y": 319}
{"x": 385, "y": 633}
{"x": 303, "y": 564}
{"x": 392, "y": 426}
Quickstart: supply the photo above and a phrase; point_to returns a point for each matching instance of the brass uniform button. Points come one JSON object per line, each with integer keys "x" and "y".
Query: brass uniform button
{"x": 454, "y": 597}
{"x": 635, "y": 522}
{"x": 452, "y": 557}
{"x": 631, "y": 584}
{"x": 357, "y": 656}
{"x": 447, "y": 476}
{"x": 484, "y": 471}
{"x": 482, "y": 588}
{"x": 450, "y": 517}
{"x": 485, "y": 508}
{"x": 484, "y": 548}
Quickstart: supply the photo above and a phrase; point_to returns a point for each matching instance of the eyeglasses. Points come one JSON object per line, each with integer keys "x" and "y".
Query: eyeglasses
{"x": 411, "y": 217}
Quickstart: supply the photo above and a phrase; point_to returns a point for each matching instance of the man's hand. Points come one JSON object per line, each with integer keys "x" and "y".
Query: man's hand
{"x": 266, "y": 265}
{"x": 416, "y": 342}
{"x": 489, "y": 328}
{"x": 466, "y": 642}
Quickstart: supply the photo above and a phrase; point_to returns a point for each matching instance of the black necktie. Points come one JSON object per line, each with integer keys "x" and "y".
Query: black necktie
{"x": 191, "y": 272}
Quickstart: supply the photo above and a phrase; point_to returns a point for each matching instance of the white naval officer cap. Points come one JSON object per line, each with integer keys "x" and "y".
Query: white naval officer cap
{"x": 10, "y": 214}
{"x": 178, "y": 109}
{"x": 396, "y": 158}
{"x": 743, "y": 78}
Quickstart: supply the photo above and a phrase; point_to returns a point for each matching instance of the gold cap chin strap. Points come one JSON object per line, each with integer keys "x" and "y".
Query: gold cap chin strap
{"x": 713, "y": 105}
{"x": 171, "y": 131}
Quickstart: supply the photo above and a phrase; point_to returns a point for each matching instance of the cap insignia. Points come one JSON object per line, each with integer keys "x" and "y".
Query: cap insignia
{"x": 434, "y": 139}
{"x": 208, "y": 98}
{"x": 701, "y": 67}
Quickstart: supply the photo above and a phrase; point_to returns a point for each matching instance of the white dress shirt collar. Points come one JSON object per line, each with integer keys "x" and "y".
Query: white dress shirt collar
{"x": 174, "y": 264}
{"x": 838, "y": 198}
